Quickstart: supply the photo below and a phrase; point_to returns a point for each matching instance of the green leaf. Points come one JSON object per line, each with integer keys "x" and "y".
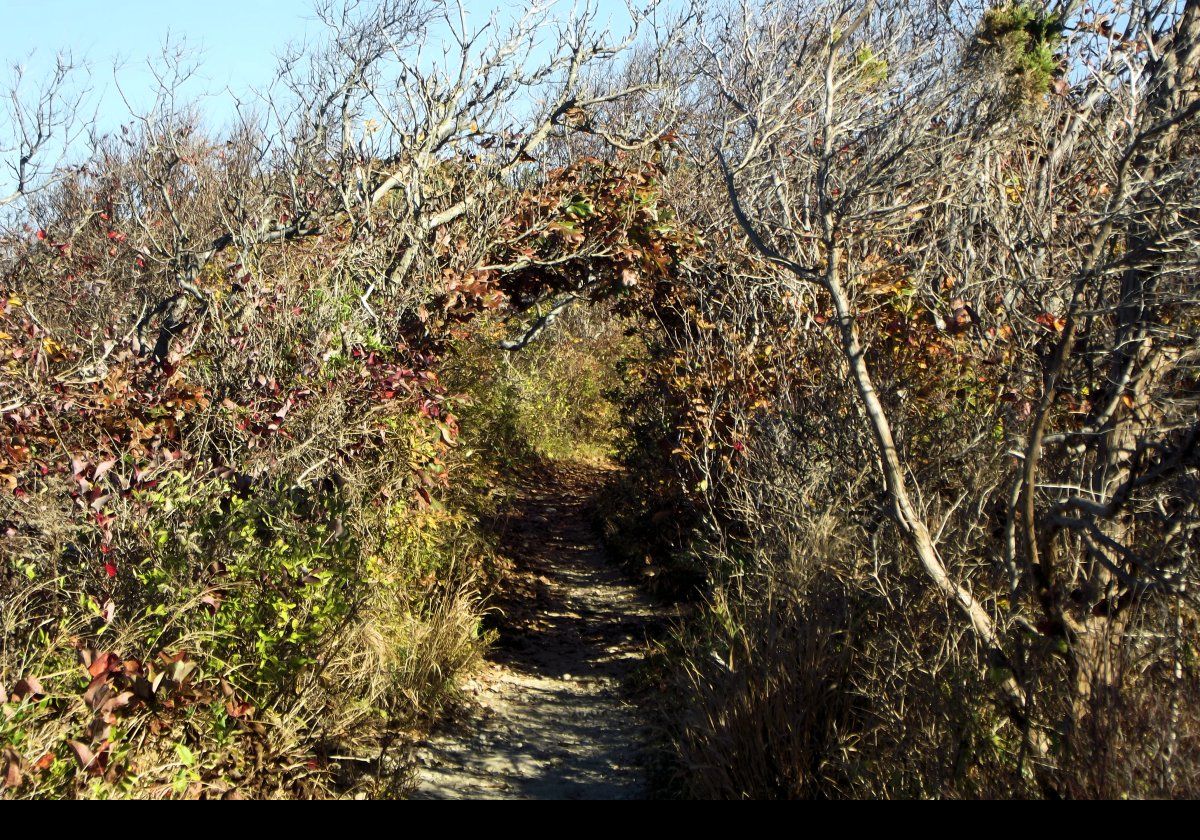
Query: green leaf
{"x": 581, "y": 206}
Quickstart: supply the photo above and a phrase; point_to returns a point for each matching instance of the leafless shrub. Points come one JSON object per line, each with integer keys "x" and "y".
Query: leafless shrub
{"x": 965, "y": 264}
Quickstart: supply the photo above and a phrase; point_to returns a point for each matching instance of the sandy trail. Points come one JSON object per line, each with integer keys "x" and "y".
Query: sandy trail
{"x": 552, "y": 720}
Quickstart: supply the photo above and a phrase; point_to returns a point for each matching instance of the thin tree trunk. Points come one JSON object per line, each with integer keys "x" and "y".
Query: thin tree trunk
{"x": 911, "y": 522}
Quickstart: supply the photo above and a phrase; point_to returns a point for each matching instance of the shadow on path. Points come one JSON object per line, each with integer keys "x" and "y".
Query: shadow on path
{"x": 551, "y": 721}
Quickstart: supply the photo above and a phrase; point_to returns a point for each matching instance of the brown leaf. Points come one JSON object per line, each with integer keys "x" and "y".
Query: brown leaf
{"x": 99, "y": 729}
{"x": 181, "y": 670}
{"x": 143, "y": 689}
{"x": 102, "y": 468}
{"x": 424, "y": 498}
{"x": 28, "y": 687}
{"x": 116, "y": 702}
{"x": 83, "y": 754}
{"x": 98, "y": 691}
{"x": 13, "y": 775}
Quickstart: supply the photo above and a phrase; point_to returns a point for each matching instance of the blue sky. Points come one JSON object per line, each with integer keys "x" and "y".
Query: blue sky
{"x": 239, "y": 40}
{"x": 238, "y": 37}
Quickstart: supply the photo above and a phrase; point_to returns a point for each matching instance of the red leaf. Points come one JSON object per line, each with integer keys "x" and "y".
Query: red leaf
{"x": 102, "y": 664}
{"x": 238, "y": 708}
{"x": 110, "y": 569}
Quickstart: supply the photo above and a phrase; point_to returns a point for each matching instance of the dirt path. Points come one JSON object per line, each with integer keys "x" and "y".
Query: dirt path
{"x": 552, "y": 722}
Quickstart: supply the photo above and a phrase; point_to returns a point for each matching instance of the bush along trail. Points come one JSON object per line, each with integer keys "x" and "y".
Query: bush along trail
{"x": 550, "y": 714}
{"x": 893, "y": 328}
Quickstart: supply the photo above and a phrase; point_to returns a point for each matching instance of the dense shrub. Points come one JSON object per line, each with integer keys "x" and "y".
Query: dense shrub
{"x": 889, "y": 318}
